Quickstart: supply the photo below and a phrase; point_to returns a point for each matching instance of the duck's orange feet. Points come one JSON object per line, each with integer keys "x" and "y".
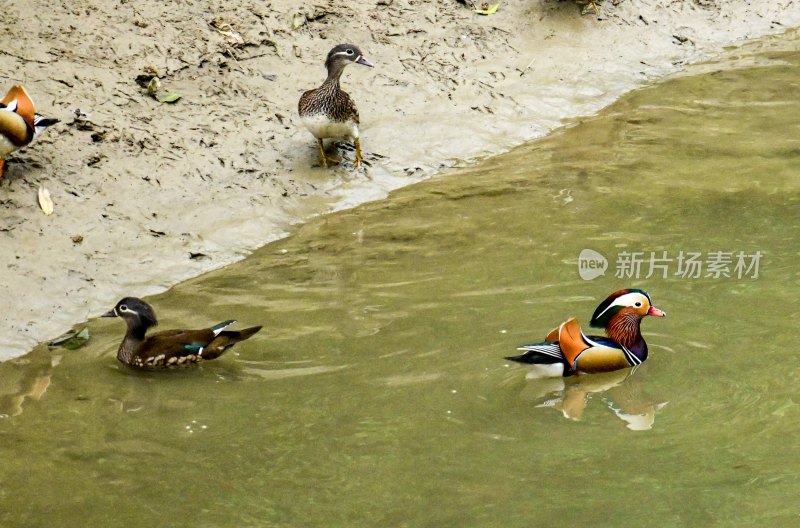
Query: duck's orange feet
{"x": 358, "y": 153}
{"x": 322, "y": 153}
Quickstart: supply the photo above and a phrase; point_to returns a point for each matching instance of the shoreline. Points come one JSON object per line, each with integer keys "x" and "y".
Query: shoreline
{"x": 161, "y": 193}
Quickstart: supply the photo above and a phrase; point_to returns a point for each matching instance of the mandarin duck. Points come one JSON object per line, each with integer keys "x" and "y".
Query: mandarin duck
{"x": 170, "y": 347}
{"x": 328, "y": 111}
{"x": 19, "y": 122}
{"x": 567, "y": 350}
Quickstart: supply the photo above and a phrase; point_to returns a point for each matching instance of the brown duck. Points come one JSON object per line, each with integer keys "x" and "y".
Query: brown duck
{"x": 328, "y": 111}
{"x": 170, "y": 347}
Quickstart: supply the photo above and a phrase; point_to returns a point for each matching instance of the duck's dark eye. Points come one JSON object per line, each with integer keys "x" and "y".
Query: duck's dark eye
{"x": 350, "y": 52}
{"x": 638, "y": 304}
{"x": 123, "y": 308}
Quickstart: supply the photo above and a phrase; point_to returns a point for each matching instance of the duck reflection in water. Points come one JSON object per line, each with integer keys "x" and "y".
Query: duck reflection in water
{"x": 24, "y": 379}
{"x": 622, "y": 391}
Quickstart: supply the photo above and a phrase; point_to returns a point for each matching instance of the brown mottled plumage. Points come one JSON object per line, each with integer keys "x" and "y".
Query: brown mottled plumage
{"x": 170, "y": 347}
{"x": 328, "y": 111}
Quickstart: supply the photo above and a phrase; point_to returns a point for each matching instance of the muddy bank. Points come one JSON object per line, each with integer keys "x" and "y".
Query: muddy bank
{"x": 147, "y": 193}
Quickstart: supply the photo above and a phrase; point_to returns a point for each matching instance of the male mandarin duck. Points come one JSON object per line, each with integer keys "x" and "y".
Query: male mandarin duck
{"x": 19, "y": 122}
{"x": 567, "y": 350}
{"x": 170, "y": 347}
{"x": 328, "y": 111}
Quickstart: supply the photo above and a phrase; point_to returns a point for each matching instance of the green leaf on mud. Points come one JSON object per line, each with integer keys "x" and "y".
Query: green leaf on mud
{"x": 71, "y": 340}
{"x": 298, "y": 19}
{"x": 169, "y": 97}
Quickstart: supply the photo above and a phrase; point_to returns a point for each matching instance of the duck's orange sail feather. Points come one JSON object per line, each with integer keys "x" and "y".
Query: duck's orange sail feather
{"x": 570, "y": 339}
{"x": 25, "y": 108}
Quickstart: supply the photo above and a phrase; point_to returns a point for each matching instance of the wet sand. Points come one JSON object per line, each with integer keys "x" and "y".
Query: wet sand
{"x": 148, "y": 194}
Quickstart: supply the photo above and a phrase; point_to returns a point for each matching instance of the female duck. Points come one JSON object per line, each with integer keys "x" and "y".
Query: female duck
{"x": 567, "y": 350}
{"x": 170, "y": 347}
{"x": 328, "y": 111}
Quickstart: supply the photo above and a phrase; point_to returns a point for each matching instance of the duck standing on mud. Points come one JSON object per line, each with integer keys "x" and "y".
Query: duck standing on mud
{"x": 328, "y": 111}
{"x": 19, "y": 123}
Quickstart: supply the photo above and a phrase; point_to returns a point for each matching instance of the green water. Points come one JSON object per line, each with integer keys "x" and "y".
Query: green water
{"x": 377, "y": 394}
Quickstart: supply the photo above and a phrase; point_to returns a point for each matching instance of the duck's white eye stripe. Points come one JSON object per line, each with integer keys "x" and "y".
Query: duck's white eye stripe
{"x": 623, "y": 300}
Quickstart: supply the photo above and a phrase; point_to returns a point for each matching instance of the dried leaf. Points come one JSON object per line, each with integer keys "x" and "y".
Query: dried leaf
{"x": 153, "y": 86}
{"x": 487, "y": 9}
{"x": 169, "y": 97}
{"x": 233, "y": 37}
{"x": 71, "y": 340}
{"x": 45, "y": 202}
{"x": 298, "y": 19}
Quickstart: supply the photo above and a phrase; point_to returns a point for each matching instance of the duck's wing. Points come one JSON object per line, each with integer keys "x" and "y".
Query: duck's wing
{"x": 570, "y": 339}
{"x": 227, "y": 339}
{"x": 174, "y": 347}
{"x": 14, "y": 127}
{"x": 19, "y": 102}
{"x": 603, "y": 355}
{"x": 546, "y": 352}
{"x": 177, "y": 347}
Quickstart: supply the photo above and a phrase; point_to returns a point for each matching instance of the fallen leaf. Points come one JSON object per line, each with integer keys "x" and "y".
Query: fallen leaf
{"x": 77, "y": 239}
{"x": 45, "y": 202}
{"x": 144, "y": 78}
{"x": 233, "y": 37}
{"x": 71, "y": 340}
{"x": 169, "y": 97}
{"x": 488, "y": 9}
{"x": 298, "y": 19}
{"x": 153, "y": 86}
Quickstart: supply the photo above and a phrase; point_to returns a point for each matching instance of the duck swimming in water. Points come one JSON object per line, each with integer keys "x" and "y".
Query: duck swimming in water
{"x": 567, "y": 350}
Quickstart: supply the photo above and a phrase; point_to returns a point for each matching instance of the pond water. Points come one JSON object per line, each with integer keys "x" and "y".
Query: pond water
{"x": 377, "y": 393}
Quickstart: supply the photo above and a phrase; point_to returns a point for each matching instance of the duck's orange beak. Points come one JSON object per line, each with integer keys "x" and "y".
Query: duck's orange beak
{"x": 656, "y": 312}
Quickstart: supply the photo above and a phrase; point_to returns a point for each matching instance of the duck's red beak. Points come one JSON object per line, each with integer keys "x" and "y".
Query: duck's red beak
{"x": 656, "y": 312}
